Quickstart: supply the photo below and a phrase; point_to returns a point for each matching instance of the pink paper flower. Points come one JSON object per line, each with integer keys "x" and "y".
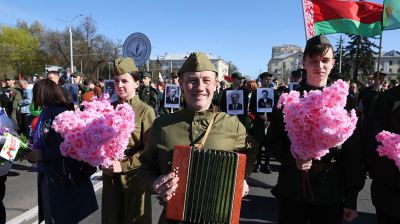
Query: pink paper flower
{"x": 318, "y": 121}
{"x": 97, "y": 135}
{"x": 390, "y": 146}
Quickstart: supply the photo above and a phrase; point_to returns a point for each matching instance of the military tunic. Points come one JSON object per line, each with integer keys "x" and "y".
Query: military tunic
{"x": 124, "y": 201}
{"x": 149, "y": 95}
{"x": 10, "y": 102}
{"x": 186, "y": 127}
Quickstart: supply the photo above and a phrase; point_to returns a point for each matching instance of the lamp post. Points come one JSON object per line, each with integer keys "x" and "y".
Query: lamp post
{"x": 110, "y": 62}
{"x": 70, "y": 41}
{"x": 70, "y": 38}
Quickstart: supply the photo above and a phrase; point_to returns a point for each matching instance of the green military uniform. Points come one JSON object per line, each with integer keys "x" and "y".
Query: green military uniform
{"x": 187, "y": 127}
{"x": 124, "y": 201}
{"x": 10, "y": 98}
{"x": 148, "y": 94}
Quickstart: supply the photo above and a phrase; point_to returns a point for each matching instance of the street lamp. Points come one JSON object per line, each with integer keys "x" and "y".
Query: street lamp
{"x": 110, "y": 63}
{"x": 70, "y": 38}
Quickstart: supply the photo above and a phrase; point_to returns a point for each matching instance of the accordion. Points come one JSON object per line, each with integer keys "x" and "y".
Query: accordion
{"x": 210, "y": 186}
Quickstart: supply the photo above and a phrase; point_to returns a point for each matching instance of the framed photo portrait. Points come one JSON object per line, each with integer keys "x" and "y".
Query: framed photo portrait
{"x": 234, "y": 100}
{"x": 265, "y": 100}
{"x": 172, "y": 96}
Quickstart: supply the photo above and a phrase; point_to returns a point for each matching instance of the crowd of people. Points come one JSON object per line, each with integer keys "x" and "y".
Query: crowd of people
{"x": 242, "y": 119}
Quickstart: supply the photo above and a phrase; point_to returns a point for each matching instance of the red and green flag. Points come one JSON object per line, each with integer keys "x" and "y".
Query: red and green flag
{"x": 342, "y": 16}
{"x": 391, "y": 15}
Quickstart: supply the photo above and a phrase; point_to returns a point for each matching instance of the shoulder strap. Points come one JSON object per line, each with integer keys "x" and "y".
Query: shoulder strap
{"x": 200, "y": 145}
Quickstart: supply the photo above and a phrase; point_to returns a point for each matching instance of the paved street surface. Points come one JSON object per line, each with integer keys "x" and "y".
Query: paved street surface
{"x": 258, "y": 207}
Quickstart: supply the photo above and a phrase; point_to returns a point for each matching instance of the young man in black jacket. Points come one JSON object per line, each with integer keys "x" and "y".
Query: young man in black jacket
{"x": 336, "y": 179}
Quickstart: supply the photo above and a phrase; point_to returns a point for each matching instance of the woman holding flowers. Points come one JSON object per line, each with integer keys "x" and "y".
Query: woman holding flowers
{"x": 323, "y": 187}
{"x": 385, "y": 187}
{"x": 124, "y": 201}
{"x": 61, "y": 200}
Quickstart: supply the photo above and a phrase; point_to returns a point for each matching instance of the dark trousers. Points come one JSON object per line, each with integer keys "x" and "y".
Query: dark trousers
{"x": 292, "y": 212}
{"x": 383, "y": 218}
{"x": 2, "y": 194}
{"x": 24, "y": 123}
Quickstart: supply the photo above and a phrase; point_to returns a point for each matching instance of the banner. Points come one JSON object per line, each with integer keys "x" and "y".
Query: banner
{"x": 391, "y": 15}
{"x": 339, "y": 16}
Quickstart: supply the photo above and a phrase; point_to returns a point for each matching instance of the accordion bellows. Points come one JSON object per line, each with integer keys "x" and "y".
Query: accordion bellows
{"x": 210, "y": 186}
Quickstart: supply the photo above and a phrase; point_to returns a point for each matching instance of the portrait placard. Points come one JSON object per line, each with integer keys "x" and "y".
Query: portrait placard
{"x": 234, "y": 100}
{"x": 265, "y": 100}
{"x": 172, "y": 96}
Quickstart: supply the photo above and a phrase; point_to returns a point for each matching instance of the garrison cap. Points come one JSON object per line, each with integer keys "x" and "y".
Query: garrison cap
{"x": 124, "y": 65}
{"x": 197, "y": 62}
{"x": 265, "y": 74}
{"x": 173, "y": 75}
{"x": 316, "y": 40}
{"x": 76, "y": 74}
{"x": 237, "y": 75}
{"x": 9, "y": 77}
{"x": 145, "y": 74}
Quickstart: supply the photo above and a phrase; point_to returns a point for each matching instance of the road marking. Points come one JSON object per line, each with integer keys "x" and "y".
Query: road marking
{"x": 24, "y": 216}
{"x": 33, "y": 212}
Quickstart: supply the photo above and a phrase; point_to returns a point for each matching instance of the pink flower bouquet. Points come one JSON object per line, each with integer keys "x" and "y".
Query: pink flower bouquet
{"x": 390, "y": 146}
{"x": 97, "y": 135}
{"x": 318, "y": 121}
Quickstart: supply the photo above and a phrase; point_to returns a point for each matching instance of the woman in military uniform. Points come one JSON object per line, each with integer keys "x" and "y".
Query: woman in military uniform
{"x": 198, "y": 80}
{"x": 336, "y": 179}
{"x": 123, "y": 201}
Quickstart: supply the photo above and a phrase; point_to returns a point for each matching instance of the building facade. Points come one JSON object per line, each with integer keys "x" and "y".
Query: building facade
{"x": 168, "y": 63}
{"x": 284, "y": 60}
{"x": 389, "y": 64}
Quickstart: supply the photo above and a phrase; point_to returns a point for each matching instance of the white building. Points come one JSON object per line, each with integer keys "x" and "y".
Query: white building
{"x": 390, "y": 63}
{"x": 284, "y": 60}
{"x": 173, "y": 62}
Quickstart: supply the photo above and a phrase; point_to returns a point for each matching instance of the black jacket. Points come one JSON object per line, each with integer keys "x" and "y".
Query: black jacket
{"x": 385, "y": 188}
{"x": 337, "y": 177}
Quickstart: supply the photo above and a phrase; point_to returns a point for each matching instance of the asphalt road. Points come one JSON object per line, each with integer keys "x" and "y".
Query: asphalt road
{"x": 258, "y": 207}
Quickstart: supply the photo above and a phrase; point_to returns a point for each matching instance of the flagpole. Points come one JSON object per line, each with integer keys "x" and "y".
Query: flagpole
{"x": 305, "y": 21}
{"x": 379, "y": 55}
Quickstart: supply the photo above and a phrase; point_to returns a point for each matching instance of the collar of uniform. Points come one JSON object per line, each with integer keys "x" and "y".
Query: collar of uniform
{"x": 133, "y": 101}
{"x": 203, "y": 115}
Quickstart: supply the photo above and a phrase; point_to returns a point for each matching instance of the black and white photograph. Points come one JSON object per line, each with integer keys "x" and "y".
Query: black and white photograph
{"x": 109, "y": 87}
{"x": 265, "y": 100}
{"x": 234, "y": 100}
{"x": 293, "y": 86}
{"x": 172, "y": 96}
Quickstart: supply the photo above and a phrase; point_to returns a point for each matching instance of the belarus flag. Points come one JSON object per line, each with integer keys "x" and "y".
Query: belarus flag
{"x": 342, "y": 16}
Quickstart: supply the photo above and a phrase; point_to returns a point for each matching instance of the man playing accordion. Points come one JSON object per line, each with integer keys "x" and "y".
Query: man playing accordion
{"x": 198, "y": 80}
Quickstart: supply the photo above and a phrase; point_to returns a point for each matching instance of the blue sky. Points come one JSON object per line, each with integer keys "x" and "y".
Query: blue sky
{"x": 243, "y": 32}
